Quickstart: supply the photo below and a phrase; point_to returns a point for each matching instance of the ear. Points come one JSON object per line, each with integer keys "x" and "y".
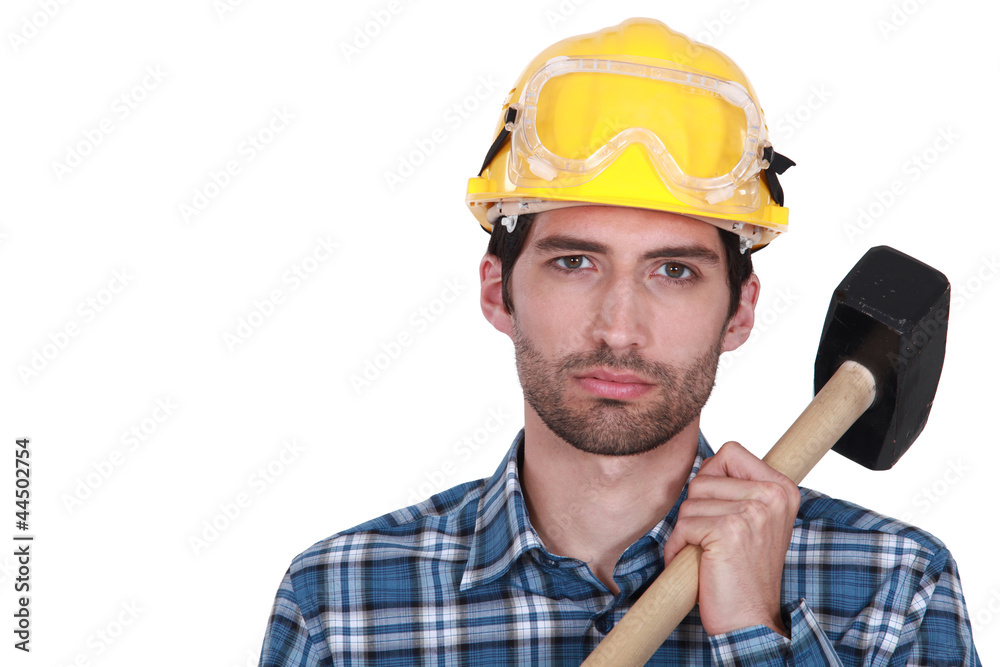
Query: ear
{"x": 741, "y": 323}
{"x": 491, "y": 294}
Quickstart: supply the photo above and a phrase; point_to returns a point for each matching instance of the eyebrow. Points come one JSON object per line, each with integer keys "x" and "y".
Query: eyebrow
{"x": 572, "y": 244}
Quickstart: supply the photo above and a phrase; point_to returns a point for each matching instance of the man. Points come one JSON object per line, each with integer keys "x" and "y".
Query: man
{"x": 629, "y": 177}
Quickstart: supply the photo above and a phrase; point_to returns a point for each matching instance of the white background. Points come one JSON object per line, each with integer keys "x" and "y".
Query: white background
{"x": 852, "y": 90}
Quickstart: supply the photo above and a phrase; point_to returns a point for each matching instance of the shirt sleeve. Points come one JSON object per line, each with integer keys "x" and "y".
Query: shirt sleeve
{"x": 936, "y": 630}
{"x": 760, "y": 646}
{"x": 287, "y": 642}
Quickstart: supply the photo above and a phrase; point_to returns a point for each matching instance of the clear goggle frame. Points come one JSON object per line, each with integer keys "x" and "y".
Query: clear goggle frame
{"x": 535, "y": 164}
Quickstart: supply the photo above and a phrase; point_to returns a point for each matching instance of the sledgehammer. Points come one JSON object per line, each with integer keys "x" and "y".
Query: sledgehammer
{"x": 878, "y": 365}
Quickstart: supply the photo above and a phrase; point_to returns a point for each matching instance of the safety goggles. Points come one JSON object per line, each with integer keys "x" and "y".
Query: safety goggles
{"x": 576, "y": 116}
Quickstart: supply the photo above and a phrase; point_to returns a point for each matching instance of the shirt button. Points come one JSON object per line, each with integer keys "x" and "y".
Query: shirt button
{"x": 603, "y": 624}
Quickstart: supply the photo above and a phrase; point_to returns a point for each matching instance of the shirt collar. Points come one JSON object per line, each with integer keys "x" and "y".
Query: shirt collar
{"x": 504, "y": 533}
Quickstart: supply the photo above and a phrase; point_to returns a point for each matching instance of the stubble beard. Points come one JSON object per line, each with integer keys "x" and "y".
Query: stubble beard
{"x": 612, "y": 427}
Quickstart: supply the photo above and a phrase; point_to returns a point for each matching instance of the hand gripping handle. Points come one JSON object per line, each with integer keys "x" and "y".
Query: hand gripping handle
{"x": 668, "y": 600}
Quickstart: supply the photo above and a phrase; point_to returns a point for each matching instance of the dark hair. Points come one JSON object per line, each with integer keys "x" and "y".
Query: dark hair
{"x": 507, "y": 246}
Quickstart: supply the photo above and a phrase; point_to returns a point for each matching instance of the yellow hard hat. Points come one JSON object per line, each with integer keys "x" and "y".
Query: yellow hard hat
{"x": 634, "y": 115}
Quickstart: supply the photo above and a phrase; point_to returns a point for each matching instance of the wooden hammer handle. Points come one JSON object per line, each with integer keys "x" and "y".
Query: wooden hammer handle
{"x": 668, "y": 600}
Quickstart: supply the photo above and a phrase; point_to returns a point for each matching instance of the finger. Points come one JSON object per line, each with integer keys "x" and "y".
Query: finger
{"x": 728, "y": 488}
{"x": 734, "y": 460}
{"x": 674, "y": 544}
{"x": 672, "y": 547}
{"x": 700, "y": 530}
{"x": 711, "y": 507}
{"x": 743, "y": 521}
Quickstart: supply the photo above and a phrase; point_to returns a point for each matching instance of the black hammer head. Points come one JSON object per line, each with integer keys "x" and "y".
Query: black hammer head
{"x": 890, "y": 314}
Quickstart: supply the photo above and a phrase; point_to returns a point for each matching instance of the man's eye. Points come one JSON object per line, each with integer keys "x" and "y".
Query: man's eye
{"x": 573, "y": 262}
{"x": 676, "y": 270}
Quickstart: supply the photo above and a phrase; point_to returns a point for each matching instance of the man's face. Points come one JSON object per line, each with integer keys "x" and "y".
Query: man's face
{"x": 620, "y": 317}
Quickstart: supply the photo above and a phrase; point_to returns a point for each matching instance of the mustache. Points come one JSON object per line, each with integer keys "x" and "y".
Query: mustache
{"x": 632, "y": 362}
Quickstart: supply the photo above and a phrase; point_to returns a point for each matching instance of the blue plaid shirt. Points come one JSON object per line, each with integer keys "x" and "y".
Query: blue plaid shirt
{"x": 463, "y": 579}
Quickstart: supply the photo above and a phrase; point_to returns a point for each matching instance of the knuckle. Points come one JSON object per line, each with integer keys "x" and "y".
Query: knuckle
{"x": 755, "y": 511}
{"x": 772, "y": 493}
{"x": 709, "y": 465}
{"x": 685, "y": 534}
{"x": 730, "y": 448}
{"x": 736, "y": 525}
{"x": 794, "y": 499}
{"x": 788, "y": 484}
{"x": 791, "y": 496}
{"x": 733, "y": 448}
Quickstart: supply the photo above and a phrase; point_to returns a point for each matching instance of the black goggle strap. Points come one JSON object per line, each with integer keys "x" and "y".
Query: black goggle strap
{"x": 508, "y": 121}
{"x": 777, "y": 164}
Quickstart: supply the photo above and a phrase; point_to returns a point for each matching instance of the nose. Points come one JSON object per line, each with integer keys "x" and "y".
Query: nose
{"x": 620, "y": 322}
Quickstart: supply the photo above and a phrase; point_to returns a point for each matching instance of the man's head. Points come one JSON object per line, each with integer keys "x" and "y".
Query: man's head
{"x": 629, "y": 174}
{"x": 620, "y": 317}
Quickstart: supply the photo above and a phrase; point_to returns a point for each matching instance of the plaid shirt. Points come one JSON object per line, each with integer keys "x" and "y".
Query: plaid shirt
{"x": 463, "y": 579}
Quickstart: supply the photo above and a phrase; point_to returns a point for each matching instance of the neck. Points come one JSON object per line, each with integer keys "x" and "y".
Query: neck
{"x": 593, "y": 507}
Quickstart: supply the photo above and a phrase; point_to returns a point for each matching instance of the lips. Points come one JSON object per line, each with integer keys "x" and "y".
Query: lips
{"x": 608, "y": 384}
